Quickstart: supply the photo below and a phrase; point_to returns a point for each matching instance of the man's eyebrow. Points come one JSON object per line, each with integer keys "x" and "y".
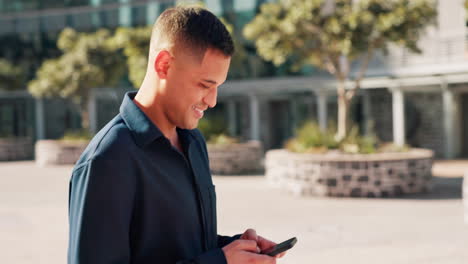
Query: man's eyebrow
{"x": 209, "y": 81}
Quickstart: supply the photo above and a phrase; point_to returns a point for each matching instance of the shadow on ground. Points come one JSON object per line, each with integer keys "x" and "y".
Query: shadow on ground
{"x": 443, "y": 188}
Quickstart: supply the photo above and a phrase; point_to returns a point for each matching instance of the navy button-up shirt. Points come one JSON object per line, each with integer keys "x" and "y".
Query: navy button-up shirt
{"x": 134, "y": 198}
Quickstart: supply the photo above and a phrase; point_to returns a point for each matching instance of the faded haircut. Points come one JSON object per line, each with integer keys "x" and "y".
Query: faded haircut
{"x": 190, "y": 29}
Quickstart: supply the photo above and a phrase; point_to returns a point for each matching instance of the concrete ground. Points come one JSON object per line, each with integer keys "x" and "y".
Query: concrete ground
{"x": 425, "y": 228}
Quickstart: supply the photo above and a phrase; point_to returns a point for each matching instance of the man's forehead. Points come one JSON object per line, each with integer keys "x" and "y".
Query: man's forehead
{"x": 214, "y": 62}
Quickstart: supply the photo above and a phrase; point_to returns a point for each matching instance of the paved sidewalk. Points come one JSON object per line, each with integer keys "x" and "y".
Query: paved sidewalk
{"x": 426, "y": 229}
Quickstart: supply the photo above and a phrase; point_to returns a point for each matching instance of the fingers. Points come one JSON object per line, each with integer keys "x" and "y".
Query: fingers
{"x": 264, "y": 243}
{"x": 245, "y": 251}
{"x": 250, "y": 234}
{"x": 251, "y": 242}
{"x": 280, "y": 255}
{"x": 247, "y": 245}
{"x": 264, "y": 259}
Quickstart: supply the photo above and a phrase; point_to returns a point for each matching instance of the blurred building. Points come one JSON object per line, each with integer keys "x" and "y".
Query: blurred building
{"x": 414, "y": 99}
{"x": 421, "y": 99}
{"x": 28, "y": 33}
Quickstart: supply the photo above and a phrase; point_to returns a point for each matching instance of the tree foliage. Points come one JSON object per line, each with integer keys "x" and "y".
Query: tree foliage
{"x": 89, "y": 60}
{"x": 11, "y": 76}
{"x": 333, "y": 35}
{"x": 135, "y": 43}
{"x": 239, "y": 59}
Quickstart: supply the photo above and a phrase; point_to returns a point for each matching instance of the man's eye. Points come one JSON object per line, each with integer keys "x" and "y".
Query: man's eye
{"x": 204, "y": 86}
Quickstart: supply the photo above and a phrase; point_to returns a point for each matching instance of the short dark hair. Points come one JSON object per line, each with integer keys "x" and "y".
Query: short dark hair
{"x": 194, "y": 28}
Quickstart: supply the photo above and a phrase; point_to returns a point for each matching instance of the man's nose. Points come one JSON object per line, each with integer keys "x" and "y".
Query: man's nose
{"x": 211, "y": 97}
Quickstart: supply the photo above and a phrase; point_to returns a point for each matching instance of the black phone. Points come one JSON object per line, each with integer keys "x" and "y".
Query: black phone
{"x": 281, "y": 247}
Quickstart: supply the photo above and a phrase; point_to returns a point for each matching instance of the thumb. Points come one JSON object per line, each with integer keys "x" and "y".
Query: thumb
{"x": 247, "y": 245}
{"x": 250, "y": 234}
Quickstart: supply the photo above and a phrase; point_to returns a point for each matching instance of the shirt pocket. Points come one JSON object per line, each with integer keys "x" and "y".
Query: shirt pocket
{"x": 209, "y": 208}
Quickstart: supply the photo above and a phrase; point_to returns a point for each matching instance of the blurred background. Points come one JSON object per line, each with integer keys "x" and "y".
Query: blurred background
{"x": 321, "y": 78}
{"x": 413, "y": 90}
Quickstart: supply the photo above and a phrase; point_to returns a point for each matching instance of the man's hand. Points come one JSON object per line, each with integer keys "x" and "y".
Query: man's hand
{"x": 262, "y": 243}
{"x": 243, "y": 251}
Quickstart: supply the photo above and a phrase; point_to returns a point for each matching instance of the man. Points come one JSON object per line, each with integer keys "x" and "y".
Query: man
{"x": 142, "y": 190}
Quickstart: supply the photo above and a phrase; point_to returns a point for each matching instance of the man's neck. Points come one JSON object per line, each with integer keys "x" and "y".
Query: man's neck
{"x": 147, "y": 104}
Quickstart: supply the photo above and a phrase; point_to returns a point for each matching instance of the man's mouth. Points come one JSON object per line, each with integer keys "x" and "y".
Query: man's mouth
{"x": 198, "y": 111}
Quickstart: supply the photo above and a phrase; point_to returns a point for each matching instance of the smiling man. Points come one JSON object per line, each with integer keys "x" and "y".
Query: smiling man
{"x": 142, "y": 191}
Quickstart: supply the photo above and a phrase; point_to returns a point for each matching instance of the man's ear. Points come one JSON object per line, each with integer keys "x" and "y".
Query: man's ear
{"x": 162, "y": 63}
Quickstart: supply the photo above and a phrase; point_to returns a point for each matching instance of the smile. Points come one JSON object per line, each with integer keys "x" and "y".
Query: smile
{"x": 198, "y": 112}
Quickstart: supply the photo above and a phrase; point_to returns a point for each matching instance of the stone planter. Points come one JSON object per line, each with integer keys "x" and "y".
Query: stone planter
{"x": 350, "y": 175}
{"x": 20, "y": 148}
{"x": 238, "y": 158}
{"x": 56, "y": 152}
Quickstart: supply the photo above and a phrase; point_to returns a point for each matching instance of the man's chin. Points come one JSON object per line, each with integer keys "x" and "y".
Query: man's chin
{"x": 194, "y": 126}
{"x": 190, "y": 126}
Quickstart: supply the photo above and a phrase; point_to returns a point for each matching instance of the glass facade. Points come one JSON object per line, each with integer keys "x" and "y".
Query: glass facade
{"x": 14, "y": 116}
{"x": 92, "y": 14}
{"x": 29, "y": 28}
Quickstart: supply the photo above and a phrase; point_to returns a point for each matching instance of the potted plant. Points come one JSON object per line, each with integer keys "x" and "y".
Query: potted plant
{"x": 230, "y": 155}
{"x": 315, "y": 163}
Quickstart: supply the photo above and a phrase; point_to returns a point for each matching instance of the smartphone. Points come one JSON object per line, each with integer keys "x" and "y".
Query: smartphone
{"x": 281, "y": 247}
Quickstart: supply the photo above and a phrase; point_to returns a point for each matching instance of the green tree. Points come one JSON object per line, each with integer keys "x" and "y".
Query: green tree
{"x": 239, "y": 59}
{"x": 333, "y": 35}
{"x": 89, "y": 60}
{"x": 135, "y": 43}
{"x": 11, "y": 77}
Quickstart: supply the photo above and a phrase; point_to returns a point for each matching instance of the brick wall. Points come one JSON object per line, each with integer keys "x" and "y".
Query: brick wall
{"x": 365, "y": 175}
{"x": 55, "y": 152}
{"x": 235, "y": 159}
{"x": 16, "y": 149}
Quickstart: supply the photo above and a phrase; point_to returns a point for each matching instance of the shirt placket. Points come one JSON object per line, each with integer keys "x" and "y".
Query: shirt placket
{"x": 201, "y": 206}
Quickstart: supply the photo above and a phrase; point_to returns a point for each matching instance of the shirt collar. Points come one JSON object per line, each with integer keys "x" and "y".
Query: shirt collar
{"x": 142, "y": 128}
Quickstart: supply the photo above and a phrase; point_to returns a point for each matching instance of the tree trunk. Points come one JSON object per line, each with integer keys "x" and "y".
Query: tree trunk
{"x": 343, "y": 105}
{"x": 83, "y": 107}
{"x": 84, "y": 119}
